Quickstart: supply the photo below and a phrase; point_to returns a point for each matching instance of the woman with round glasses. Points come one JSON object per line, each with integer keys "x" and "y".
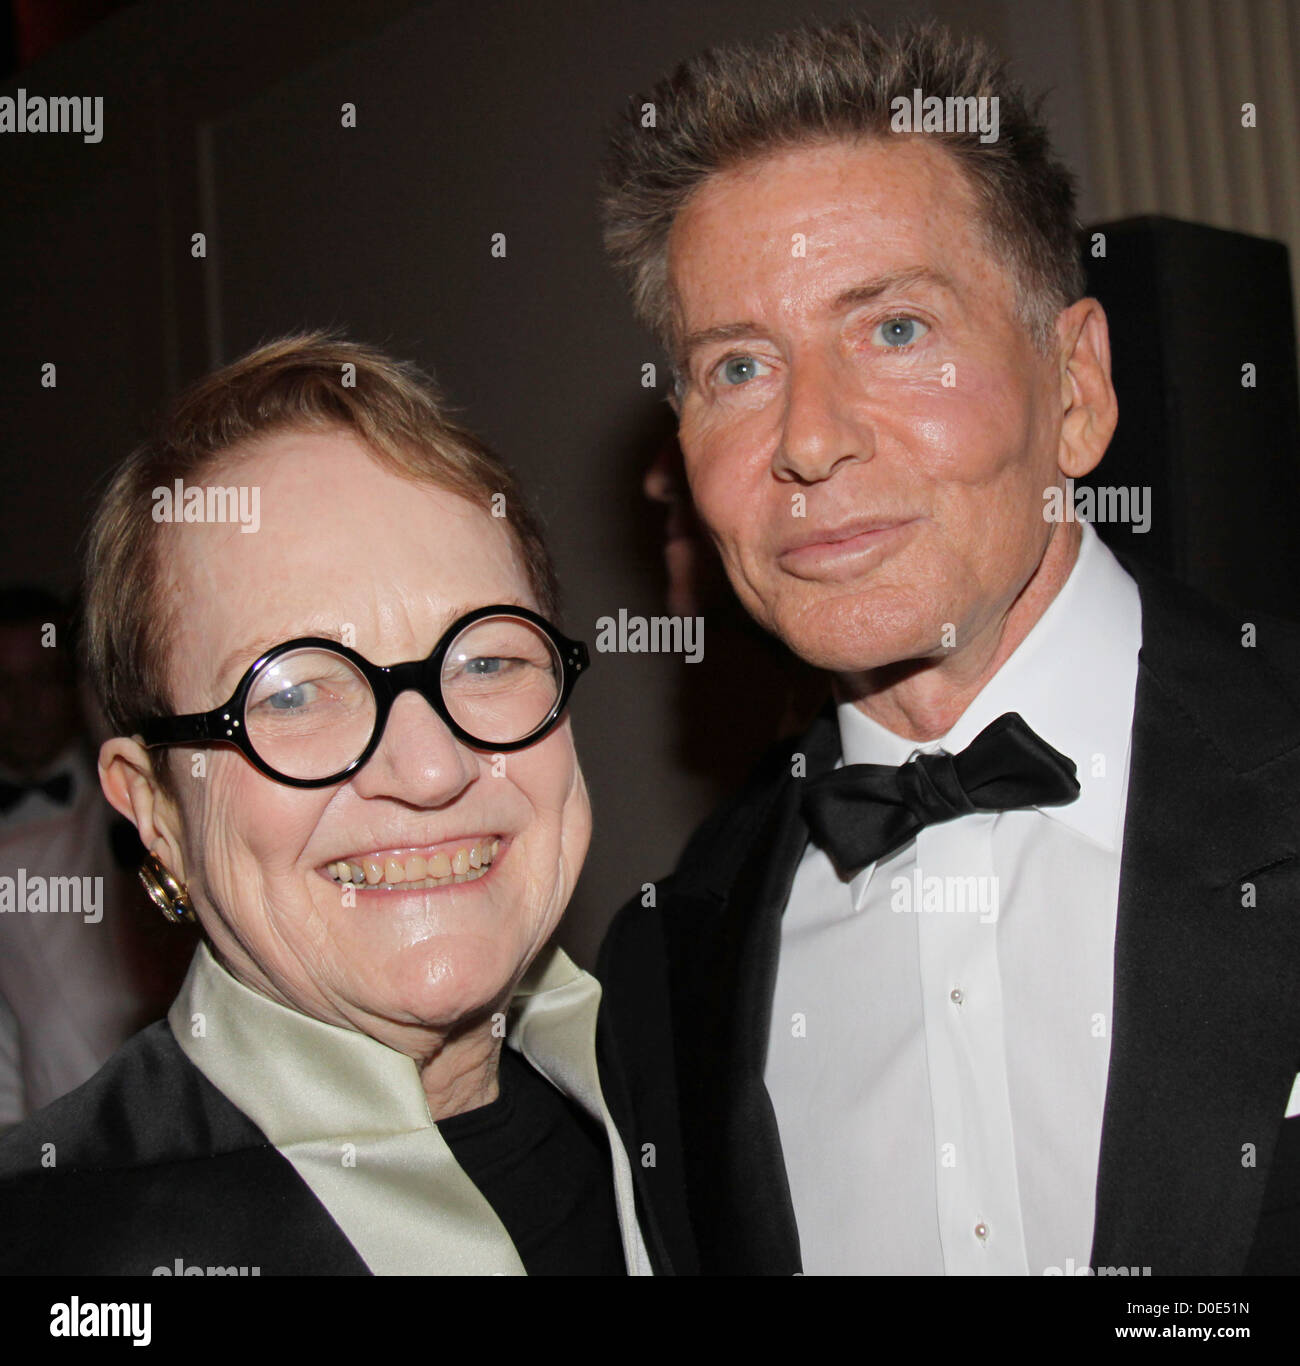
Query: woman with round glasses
{"x": 319, "y": 616}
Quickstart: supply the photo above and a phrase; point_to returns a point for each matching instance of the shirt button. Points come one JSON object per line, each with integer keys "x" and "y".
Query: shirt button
{"x": 956, "y": 996}
{"x": 981, "y": 1231}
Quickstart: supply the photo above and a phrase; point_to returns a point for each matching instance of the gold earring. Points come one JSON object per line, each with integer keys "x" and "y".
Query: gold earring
{"x": 171, "y": 897}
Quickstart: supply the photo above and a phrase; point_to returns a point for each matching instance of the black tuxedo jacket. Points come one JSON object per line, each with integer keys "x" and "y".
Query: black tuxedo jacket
{"x": 152, "y": 1164}
{"x": 1199, "y": 1173}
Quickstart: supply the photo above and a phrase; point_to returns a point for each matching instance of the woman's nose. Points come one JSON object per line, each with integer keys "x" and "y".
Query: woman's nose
{"x": 418, "y": 760}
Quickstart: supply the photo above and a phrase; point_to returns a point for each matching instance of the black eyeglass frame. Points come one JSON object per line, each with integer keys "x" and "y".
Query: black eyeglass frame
{"x": 224, "y": 724}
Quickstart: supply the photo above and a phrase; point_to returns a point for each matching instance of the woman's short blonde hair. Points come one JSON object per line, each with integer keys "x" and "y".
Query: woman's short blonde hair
{"x": 305, "y": 382}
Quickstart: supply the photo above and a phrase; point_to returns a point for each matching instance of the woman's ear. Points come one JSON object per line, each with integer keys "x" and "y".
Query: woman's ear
{"x": 1090, "y": 410}
{"x": 126, "y": 774}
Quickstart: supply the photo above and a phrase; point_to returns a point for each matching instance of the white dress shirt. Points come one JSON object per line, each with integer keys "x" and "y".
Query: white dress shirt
{"x": 941, "y": 1023}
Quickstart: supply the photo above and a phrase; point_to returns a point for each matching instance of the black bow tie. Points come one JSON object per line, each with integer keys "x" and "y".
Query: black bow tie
{"x": 57, "y": 789}
{"x": 862, "y": 812}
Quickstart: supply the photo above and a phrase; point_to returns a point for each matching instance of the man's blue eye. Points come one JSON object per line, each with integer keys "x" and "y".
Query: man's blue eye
{"x": 741, "y": 369}
{"x": 896, "y": 332}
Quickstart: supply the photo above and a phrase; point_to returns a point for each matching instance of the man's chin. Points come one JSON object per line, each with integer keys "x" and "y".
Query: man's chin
{"x": 859, "y": 633}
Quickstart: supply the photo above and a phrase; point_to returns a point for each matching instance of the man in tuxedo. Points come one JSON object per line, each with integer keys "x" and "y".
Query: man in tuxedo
{"x": 72, "y": 987}
{"x": 994, "y": 970}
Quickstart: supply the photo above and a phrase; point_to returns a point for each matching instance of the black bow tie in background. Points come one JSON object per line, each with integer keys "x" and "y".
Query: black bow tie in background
{"x": 58, "y": 789}
{"x": 862, "y": 812}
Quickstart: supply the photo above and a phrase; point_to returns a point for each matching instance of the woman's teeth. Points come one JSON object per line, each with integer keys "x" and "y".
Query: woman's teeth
{"x": 415, "y": 871}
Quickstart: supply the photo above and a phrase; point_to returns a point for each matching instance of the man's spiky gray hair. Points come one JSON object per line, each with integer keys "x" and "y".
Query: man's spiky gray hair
{"x": 732, "y": 104}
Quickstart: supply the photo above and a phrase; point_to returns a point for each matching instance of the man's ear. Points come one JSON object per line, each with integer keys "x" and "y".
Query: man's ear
{"x": 1089, "y": 407}
{"x": 127, "y": 776}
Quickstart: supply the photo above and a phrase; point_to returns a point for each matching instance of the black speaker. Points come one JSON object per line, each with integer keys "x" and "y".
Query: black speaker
{"x": 1217, "y": 444}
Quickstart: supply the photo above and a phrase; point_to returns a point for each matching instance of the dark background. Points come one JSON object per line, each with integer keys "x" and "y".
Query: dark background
{"x": 473, "y": 119}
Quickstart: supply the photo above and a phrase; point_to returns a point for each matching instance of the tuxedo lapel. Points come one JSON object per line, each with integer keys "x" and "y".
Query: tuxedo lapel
{"x": 638, "y": 1078}
{"x": 758, "y": 1191}
{"x": 751, "y": 1195}
{"x": 1207, "y": 992}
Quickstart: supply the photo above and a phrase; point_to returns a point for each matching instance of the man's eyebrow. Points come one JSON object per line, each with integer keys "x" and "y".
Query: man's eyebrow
{"x": 864, "y": 293}
{"x": 889, "y": 284}
{"x": 708, "y": 336}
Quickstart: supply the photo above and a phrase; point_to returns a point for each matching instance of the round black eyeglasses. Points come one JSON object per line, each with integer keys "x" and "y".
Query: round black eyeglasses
{"x": 311, "y": 711}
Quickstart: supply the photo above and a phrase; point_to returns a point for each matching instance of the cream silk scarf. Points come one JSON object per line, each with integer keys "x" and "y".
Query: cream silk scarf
{"x": 350, "y": 1114}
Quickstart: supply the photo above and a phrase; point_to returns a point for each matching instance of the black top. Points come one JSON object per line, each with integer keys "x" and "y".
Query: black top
{"x": 148, "y": 1164}
{"x": 543, "y": 1165}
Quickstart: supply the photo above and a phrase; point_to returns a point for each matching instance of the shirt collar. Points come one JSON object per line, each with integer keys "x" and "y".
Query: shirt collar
{"x": 301, "y": 1080}
{"x": 1073, "y": 678}
{"x": 311, "y": 1086}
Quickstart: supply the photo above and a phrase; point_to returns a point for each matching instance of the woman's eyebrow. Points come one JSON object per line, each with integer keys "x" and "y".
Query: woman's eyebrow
{"x": 454, "y": 614}
{"x": 255, "y": 649}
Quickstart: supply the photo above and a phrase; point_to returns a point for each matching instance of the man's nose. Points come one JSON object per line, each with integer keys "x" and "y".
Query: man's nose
{"x": 418, "y": 760}
{"x": 818, "y": 430}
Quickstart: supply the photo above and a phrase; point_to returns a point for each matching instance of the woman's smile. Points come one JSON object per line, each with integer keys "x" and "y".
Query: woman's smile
{"x": 418, "y": 869}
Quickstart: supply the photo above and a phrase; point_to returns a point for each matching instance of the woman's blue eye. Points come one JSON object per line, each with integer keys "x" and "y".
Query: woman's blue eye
{"x": 483, "y": 666}
{"x": 741, "y": 369}
{"x": 289, "y": 699}
{"x": 896, "y": 332}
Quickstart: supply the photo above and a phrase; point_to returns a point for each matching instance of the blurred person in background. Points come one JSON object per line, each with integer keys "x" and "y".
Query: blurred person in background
{"x": 74, "y": 985}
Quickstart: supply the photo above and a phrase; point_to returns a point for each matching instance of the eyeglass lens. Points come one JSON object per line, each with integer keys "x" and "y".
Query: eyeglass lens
{"x": 311, "y": 712}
